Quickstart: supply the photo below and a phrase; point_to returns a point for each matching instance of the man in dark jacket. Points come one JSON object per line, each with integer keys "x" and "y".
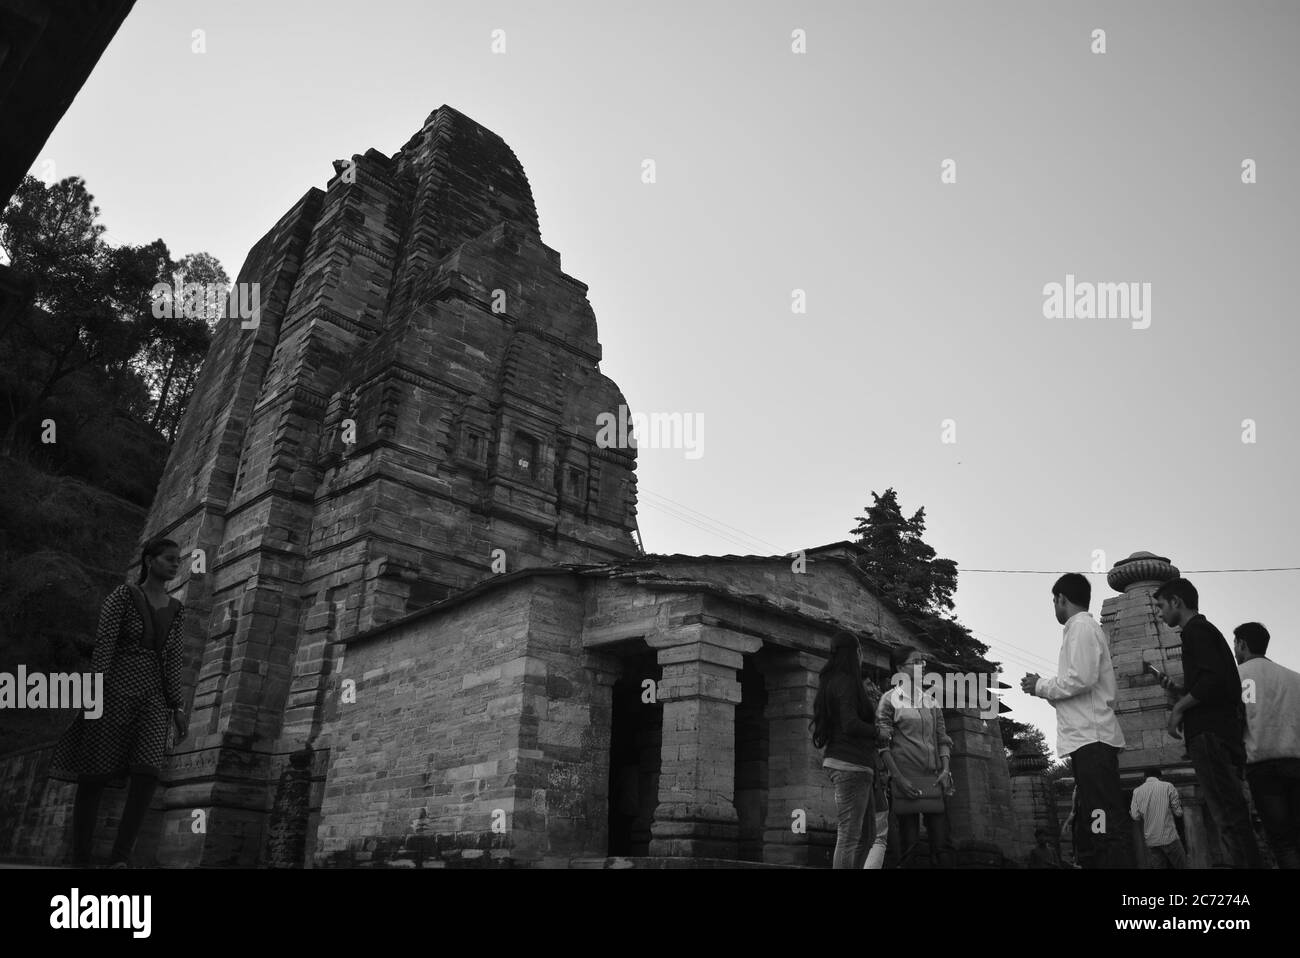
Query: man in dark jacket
{"x": 1209, "y": 715}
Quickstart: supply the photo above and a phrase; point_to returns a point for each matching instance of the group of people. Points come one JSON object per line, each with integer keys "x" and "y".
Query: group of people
{"x": 1237, "y": 711}
{"x": 882, "y": 752}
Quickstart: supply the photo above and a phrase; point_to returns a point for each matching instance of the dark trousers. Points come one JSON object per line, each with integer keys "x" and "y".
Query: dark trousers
{"x": 1219, "y": 771}
{"x": 85, "y": 810}
{"x": 1275, "y": 787}
{"x": 936, "y": 832}
{"x": 1167, "y": 856}
{"x": 1102, "y": 831}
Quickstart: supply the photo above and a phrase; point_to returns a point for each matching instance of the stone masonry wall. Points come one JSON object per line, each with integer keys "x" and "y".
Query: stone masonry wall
{"x": 436, "y": 717}
{"x": 981, "y": 810}
{"x": 1035, "y": 806}
{"x": 562, "y": 773}
{"x": 36, "y": 813}
{"x": 487, "y": 714}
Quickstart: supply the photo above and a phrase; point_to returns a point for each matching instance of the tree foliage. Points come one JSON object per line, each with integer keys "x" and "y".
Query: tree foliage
{"x": 90, "y": 356}
{"x": 91, "y": 346}
{"x": 1014, "y": 732}
{"x": 910, "y": 574}
{"x": 170, "y": 363}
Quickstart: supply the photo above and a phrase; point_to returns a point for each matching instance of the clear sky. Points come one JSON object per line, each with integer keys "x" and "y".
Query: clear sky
{"x": 820, "y": 172}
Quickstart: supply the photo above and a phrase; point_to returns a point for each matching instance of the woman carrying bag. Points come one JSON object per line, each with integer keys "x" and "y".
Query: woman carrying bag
{"x": 916, "y": 749}
{"x": 139, "y": 649}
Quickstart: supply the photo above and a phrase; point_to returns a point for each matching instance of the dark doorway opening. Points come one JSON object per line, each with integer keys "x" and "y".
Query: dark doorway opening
{"x": 751, "y": 762}
{"x": 636, "y": 735}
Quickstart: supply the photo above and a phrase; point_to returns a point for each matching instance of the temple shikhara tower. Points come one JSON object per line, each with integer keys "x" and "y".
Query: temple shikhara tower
{"x": 421, "y": 632}
{"x": 413, "y": 301}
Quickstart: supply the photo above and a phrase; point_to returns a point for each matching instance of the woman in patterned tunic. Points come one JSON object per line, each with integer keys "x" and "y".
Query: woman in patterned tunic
{"x": 142, "y": 665}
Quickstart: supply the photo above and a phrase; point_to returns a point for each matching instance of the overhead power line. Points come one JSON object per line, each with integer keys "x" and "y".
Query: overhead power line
{"x": 694, "y": 517}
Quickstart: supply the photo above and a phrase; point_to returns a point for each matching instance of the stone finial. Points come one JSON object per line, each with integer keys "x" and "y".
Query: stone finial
{"x": 1141, "y": 569}
{"x": 1027, "y": 760}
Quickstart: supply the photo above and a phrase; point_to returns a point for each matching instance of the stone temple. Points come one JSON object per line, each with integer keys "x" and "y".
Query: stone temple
{"x": 423, "y": 632}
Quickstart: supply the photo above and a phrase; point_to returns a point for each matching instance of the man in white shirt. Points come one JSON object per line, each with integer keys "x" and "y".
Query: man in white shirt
{"x": 1156, "y": 804}
{"x": 1271, "y": 694}
{"x": 1087, "y": 730}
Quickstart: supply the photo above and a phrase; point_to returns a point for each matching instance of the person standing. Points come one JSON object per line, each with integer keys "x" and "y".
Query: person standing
{"x": 879, "y": 810}
{"x": 1043, "y": 854}
{"x": 1084, "y": 694}
{"x": 1209, "y": 714}
{"x": 917, "y": 751}
{"x": 1068, "y": 829}
{"x": 139, "y": 648}
{"x": 1271, "y": 695}
{"x": 1156, "y": 804}
{"x": 842, "y": 725}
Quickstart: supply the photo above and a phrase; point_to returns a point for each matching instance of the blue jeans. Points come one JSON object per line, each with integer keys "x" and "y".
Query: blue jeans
{"x": 852, "y": 802}
{"x": 936, "y": 834}
{"x": 1219, "y": 773}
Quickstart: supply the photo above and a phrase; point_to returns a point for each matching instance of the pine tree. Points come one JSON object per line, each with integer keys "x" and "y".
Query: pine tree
{"x": 908, "y": 572}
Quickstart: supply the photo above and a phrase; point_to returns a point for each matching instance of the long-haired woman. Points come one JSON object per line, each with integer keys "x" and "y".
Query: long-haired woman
{"x": 843, "y": 726}
{"x": 917, "y": 750}
{"x": 141, "y": 662}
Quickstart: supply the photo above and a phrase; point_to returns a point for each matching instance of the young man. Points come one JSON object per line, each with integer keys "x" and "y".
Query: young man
{"x": 1208, "y": 714}
{"x": 1156, "y": 804}
{"x": 1087, "y": 730}
{"x": 1271, "y": 694}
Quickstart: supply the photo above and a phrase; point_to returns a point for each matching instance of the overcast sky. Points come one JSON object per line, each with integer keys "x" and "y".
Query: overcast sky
{"x": 821, "y": 171}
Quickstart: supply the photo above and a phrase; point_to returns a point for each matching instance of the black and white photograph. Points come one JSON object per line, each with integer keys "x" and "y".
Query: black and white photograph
{"x": 730, "y": 438}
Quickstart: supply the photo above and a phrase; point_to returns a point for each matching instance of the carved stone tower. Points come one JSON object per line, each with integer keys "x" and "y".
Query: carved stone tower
{"x": 421, "y": 389}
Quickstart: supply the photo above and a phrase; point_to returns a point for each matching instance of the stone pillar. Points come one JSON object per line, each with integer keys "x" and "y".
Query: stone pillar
{"x": 1032, "y": 799}
{"x": 592, "y": 836}
{"x": 1137, "y": 637}
{"x": 795, "y": 780}
{"x": 696, "y": 816}
{"x": 980, "y": 812}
